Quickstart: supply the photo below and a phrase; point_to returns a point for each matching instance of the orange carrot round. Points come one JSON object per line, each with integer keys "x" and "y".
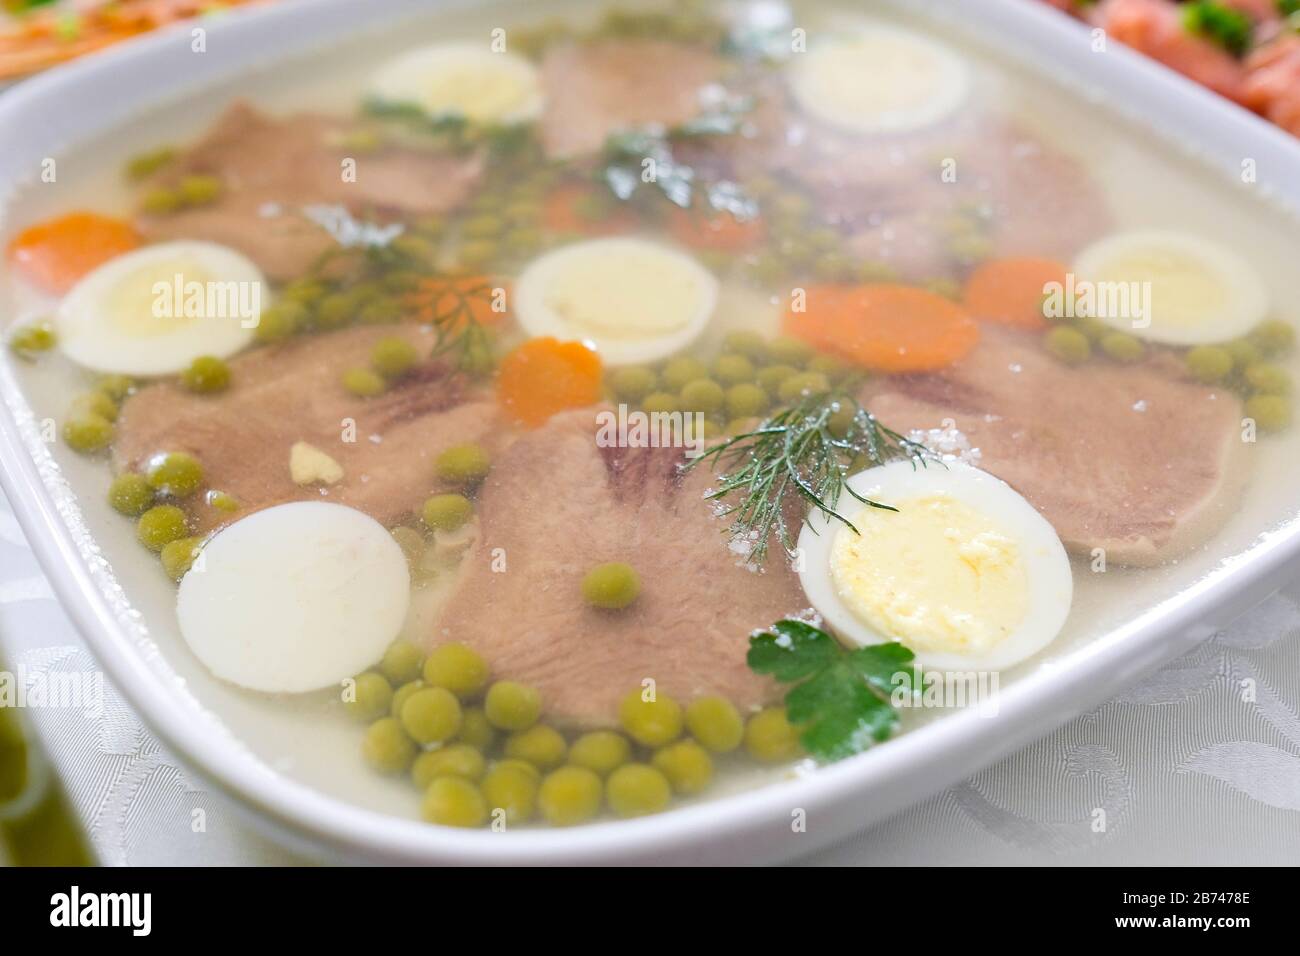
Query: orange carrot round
{"x": 544, "y": 376}
{"x": 1010, "y": 291}
{"x": 56, "y": 253}
{"x": 882, "y": 326}
{"x": 715, "y": 230}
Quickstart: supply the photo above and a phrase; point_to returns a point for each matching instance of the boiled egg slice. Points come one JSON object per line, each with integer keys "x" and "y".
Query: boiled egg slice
{"x": 464, "y": 80}
{"x": 631, "y": 300}
{"x": 1169, "y": 287}
{"x": 879, "y": 79}
{"x": 965, "y": 573}
{"x": 294, "y": 598}
{"x": 155, "y": 310}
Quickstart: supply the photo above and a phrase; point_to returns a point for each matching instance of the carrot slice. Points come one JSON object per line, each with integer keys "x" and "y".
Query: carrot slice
{"x": 56, "y": 253}
{"x": 882, "y": 326}
{"x": 563, "y": 213}
{"x": 450, "y": 300}
{"x": 1010, "y": 291}
{"x": 716, "y": 230}
{"x": 544, "y": 376}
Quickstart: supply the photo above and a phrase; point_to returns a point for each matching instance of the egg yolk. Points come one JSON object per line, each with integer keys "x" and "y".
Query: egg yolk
{"x": 937, "y": 575}
{"x": 621, "y": 295}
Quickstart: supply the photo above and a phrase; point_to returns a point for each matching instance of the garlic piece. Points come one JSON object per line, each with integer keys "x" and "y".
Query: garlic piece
{"x": 309, "y": 465}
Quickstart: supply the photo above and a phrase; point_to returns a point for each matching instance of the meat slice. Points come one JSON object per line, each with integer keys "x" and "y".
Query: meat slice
{"x": 1132, "y": 459}
{"x": 554, "y": 506}
{"x": 600, "y": 87}
{"x": 1273, "y": 85}
{"x": 272, "y": 168}
{"x": 288, "y": 393}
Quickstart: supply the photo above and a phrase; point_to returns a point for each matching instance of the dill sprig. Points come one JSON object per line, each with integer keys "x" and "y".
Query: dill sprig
{"x": 804, "y": 451}
{"x": 451, "y": 305}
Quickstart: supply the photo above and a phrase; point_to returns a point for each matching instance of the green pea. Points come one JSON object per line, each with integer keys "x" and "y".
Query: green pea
{"x": 746, "y": 343}
{"x": 1272, "y": 413}
{"x": 199, "y": 190}
{"x": 1273, "y": 337}
{"x": 524, "y": 239}
{"x": 178, "y": 556}
{"x": 372, "y": 696}
{"x": 305, "y": 292}
{"x": 773, "y": 376}
{"x": 703, "y": 395}
{"x": 447, "y": 512}
{"x": 652, "y": 723}
{"x": 786, "y": 350}
{"x": 176, "y": 473}
{"x": 767, "y": 268}
{"x": 130, "y": 494}
{"x": 386, "y": 747}
{"x": 770, "y": 738}
{"x": 482, "y": 227}
{"x": 146, "y": 164}
{"x": 1268, "y": 379}
{"x": 1122, "y": 347}
{"x": 612, "y": 585}
{"x": 454, "y": 802}
{"x": 402, "y": 281}
{"x": 393, "y": 356}
{"x": 160, "y": 201}
{"x": 401, "y": 695}
{"x": 732, "y": 369}
{"x": 161, "y": 525}
{"x": 96, "y": 403}
{"x": 569, "y": 796}
{"x": 477, "y": 252}
{"x": 280, "y": 321}
{"x": 364, "y": 383}
{"x": 511, "y": 786}
{"x": 662, "y": 402}
{"x": 715, "y": 722}
{"x": 431, "y": 715}
{"x": 402, "y": 662}
{"x": 876, "y": 272}
{"x": 802, "y": 385}
{"x": 540, "y": 745}
{"x": 361, "y": 141}
{"x": 475, "y": 728}
{"x": 336, "y": 310}
{"x": 633, "y": 383}
{"x": 88, "y": 433}
{"x": 512, "y": 706}
{"x": 680, "y": 372}
{"x": 601, "y": 751}
{"x": 1068, "y": 345}
{"x": 833, "y": 267}
{"x": 1243, "y": 351}
{"x": 746, "y": 400}
{"x": 969, "y": 248}
{"x": 636, "y": 789}
{"x": 206, "y": 374}
{"x": 454, "y": 760}
{"x": 116, "y": 387}
{"x": 456, "y": 668}
{"x": 1208, "y": 363}
{"x": 463, "y": 464}
{"x": 686, "y": 764}
{"x": 828, "y": 365}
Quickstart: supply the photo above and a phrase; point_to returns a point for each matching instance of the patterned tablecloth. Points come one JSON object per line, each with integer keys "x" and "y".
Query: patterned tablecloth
{"x": 1200, "y": 764}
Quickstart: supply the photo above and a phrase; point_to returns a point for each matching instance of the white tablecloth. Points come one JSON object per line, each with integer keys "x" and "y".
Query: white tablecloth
{"x": 1199, "y": 764}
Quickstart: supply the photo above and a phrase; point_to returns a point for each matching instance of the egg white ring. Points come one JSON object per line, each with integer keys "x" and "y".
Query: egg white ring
{"x": 954, "y": 85}
{"x": 539, "y": 319}
{"x": 87, "y": 337}
{"x": 1248, "y": 305}
{"x": 295, "y": 598}
{"x": 401, "y": 79}
{"x": 1050, "y": 581}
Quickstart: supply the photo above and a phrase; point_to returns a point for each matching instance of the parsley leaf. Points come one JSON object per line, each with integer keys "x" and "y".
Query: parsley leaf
{"x": 1229, "y": 28}
{"x": 841, "y": 697}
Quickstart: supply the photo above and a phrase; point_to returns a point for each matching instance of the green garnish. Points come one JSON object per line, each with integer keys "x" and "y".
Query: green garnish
{"x": 1288, "y": 7}
{"x": 631, "y": 155}
{"x": 1229, "y": 28}
{"x": 805, "y": 450}
{"x": 841, "y": 698}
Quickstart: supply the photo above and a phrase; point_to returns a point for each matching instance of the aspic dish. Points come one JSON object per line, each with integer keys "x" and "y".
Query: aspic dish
{"x": 410, "y": 471}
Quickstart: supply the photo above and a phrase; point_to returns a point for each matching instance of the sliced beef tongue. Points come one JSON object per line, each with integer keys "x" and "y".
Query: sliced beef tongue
{"x": 601, "y": 87}
{"x": 290, "y": 393}
{"x": 554, "y": 506}
{"x": 272, "y": 168}
{"x": 1131, "y": 459}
